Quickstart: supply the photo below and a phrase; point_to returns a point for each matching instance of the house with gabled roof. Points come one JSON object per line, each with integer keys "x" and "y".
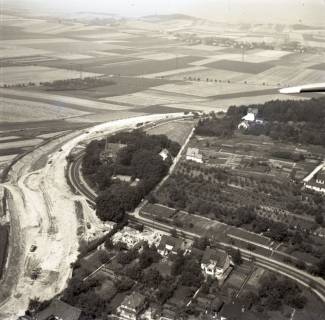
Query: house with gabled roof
{"x": 215, "y": 263}
{"x": 169, "y": 245}
{"x": 132, "y": 306}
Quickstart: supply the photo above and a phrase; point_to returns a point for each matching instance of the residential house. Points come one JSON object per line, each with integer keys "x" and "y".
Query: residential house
{"x": 164, "y": 153}
{"x": 169, "y": 245}
{"x": 132, "y": 306}
{"x": 215, "y": 263}
{"x": 59, "y": 310}
{"x": 193, "y": 154}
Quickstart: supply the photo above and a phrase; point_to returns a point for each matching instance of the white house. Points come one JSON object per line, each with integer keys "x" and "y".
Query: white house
{"x": 215, "y": 263}
{"x": 164, "y": 153}
{"x": 193, "y": 154}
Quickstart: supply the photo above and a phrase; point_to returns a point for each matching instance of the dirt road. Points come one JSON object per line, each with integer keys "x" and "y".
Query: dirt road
{"x": 43, "y": 210}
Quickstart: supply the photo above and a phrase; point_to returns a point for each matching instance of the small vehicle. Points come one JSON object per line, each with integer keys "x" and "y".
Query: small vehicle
{"x": 50, "y": 162}
{"x": 33, "y": 248}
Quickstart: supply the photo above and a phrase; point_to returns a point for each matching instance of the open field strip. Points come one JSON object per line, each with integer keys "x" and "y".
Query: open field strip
{"x": 15, "y": 110}
{"x": 7, "y": 158}
{"x": 8, "y": 137}
{"x": 165, "y": 74}
{"x": 206, "y": 89}
{"x": 161, "y": 56}
{"x": 107, "y": 116}
{"x": 245, "y": 100}
{"x": 12, "y": 51}
{"x": 212, "y": 74}
{"x": 37, "y": 74}
{"x": 70, "y": 56}
{"x": 150, "y": 97}
{"x": 51, "y": 134}
{"x": 288, "y": 75}
{"x": 19, "y": 144}
{"x": 55, "y": 99}
{"x": 46, "y": 41}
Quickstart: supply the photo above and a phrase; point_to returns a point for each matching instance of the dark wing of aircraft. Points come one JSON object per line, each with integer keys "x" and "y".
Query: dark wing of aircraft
{"x": 314, "y": 87}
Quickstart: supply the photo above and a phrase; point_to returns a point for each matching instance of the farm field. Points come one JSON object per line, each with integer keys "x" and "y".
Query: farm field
{"x": 11, "y": 76}
{"x": 176, "y": 131}
{"x": 14, "y": 110}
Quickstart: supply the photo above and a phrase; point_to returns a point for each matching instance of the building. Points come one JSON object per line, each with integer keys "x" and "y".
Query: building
{"x": 132, "y": 237}
{"x": 316, "y": 179}
{"x": 215, "y": 263}
{"x": 320, "y": 178}
{"x": 164, "y": 153}
{"x": 59, "y": 310}
{"x": 250, "y": 119}
{"x": 169, "y": 245}
{"x": 109, "y": 154}
{"x": 193, "y": 154}
{"x": 132, "y": 306}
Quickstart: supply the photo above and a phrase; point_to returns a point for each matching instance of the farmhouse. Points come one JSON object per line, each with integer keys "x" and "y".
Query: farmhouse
{"x": 215, "y": 263}
{"x": 132, "y": 306}
{"x": 193, "y": 154}
{"x": 169, "y": 245}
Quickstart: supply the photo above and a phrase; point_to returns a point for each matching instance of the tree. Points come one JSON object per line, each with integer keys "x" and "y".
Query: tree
{"x": 148, "y": 256}
{"x": 236, "y": 256}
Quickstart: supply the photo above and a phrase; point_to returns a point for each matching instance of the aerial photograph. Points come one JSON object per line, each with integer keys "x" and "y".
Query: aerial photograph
{"x": 162, "y": 160}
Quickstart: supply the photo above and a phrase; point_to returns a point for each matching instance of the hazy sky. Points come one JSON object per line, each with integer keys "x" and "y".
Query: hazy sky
{"x": 291, "y": 11}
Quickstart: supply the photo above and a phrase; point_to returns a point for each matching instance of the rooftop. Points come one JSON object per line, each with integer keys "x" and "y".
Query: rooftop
{"x": 216, "y": 256}
{"x": 61, "y": 310}
{"x": 133, "y": 301}
{"x": 176, "y": 243}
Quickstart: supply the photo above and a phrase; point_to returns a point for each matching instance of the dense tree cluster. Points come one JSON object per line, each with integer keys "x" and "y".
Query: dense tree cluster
{"x": 291, "y": 120}
{"x": 77, "y": 84}
{"x": 139, "y": 159}
{"x": 274, "y": 292}
{"x": 213, "y": 126}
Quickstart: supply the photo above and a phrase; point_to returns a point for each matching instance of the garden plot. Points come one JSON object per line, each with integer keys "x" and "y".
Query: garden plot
{"x": 148, "y": 98}
{"x": 207, "y": 89}
{"x": 13, "y": 110}
{"x": 37, "y": 74}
